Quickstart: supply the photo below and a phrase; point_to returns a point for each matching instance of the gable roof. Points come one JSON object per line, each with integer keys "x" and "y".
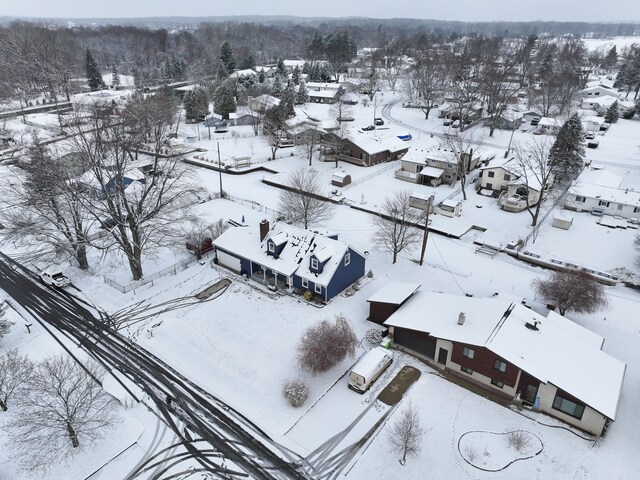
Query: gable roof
{"x": 295, "y": 256}
{"x": 394, "y": 292}
{"x": 372, "y": 144}
{"x": 557, "y": 352}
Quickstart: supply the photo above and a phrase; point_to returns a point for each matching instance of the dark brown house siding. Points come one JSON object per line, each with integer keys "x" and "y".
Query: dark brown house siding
{"x": 419, "y": 342}
{"x": 483, "y": 363}
{"x": 379, "y": 312}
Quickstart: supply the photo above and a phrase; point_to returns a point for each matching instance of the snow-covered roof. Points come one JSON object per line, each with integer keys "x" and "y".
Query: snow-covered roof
{"x": 507, "y": 164}
{"x": 450, "y": 202}
{"x": 608, "y": 194}
{"x": 373, "y": 144}
{"x": 322, "y": 86}
{"x": 605, "y": 101}
{"x": 294, "y": 63}
{"x": 394, "y": 292}
{"x": 600, "y": 88}
{"x": 247, "y": 72}
{"x": 601, "y": 177}
{"x": 549, "y": 122}
{"x": 263, "y": 101}
{"x": 433, "y": 172}
{"x": 323, "y": 93}
{"x": 339, "y": 174}
{"x": 555, "y": 352}
{"x": 101, "y": 96}
{"x": 295, "y": 256}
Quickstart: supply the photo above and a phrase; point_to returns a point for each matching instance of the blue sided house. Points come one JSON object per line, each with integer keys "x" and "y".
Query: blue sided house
{"x": 289, "y": 257}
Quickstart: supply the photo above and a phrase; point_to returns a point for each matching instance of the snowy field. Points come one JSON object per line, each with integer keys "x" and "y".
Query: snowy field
{"x": 241, "y": 345}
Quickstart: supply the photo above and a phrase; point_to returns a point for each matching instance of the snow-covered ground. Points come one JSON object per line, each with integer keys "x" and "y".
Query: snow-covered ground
{"x": 241, "y": 345}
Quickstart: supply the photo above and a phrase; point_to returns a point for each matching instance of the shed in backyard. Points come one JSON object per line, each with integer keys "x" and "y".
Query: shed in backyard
{"x": 340, "y": 178}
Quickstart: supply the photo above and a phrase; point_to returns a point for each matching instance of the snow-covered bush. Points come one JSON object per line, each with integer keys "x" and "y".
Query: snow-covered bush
{"x": 518, "y": 439}
{"x": 325, "y": 344}
{"x": 373, "y": 336}
{"x": 295, "y": 391}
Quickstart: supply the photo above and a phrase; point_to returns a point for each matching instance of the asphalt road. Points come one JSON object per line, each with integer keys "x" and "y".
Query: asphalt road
{"x": 221, "y": 440}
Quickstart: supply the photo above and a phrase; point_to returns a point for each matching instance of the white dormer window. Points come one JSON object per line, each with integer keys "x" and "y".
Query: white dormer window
{"x": 347, "y": 259}
{"x": 272, "y": 247}
{"x": 314, "y": 263}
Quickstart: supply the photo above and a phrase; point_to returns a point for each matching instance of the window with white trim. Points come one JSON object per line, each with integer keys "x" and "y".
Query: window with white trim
{"x": 314, "y": 263}
{"x": 491, "y": 174}
{"x": 468, "y": 352}
{"x": 581, "y": 199}
{"x": 347, "y": 258}
{"x": 467, "y": 370}
{"x": 305, "y": 282}
{"x": 318, "y": 288}
{"x": 272, "y": 247}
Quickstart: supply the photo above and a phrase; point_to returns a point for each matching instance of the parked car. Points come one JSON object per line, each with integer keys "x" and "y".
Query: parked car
{"x": 598, "y": 212}
{"x": 535, "y": 121}
{"x": 590, "y": 136}
{"x": 368, "y": 128}
{"x": 593, "y": 143}
{"x": 54, "y": 278}
{"x": 369, "y": 368}
{"x": 378, "y": 121}
{"x": 456, "y": 124}
{"x": 447, "y": 122}
{"x": 604, "y": 127}
{"x": 345, "y": 119}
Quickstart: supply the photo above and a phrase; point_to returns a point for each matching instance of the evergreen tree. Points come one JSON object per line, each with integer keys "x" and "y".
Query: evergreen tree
{"x": 302, "y": 96}
{"x": 316, "y": 73}
{"x": 261, "y": 76}
{"x": 94, "y": 77}
{"x": 224, "y": 101}
{"x": 289, "y": 100}
{"x": 613, "y": 113}
{"x": 295, "y": 76}
{"x": 611, "y": 60}
{"x": 277, "y": 87}
{"x": 325, "y": 74}
{"x": 248, "y": 63}
{"x": 227, "y": 58}
{"x": 222, "y": 71}
{"x": 115, "y": 77}
{"x": 281, "y": 70}
{"x": 567, "y": 152}
{"x": 196, "y": 104}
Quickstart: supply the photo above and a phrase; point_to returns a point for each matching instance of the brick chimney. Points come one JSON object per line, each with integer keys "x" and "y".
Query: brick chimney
{"x": 264, "y": 229}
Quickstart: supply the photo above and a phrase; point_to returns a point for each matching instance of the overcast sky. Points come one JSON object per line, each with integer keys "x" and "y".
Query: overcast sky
{"x": 466, "y": 10}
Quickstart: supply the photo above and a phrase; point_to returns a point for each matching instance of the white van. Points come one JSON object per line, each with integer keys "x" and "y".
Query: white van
{"x": 369, "y": 368}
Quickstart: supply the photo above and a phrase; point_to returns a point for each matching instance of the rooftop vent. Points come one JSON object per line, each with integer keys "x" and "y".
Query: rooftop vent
{"x": 532, "y": 326}
{"x": 461, "y": 318}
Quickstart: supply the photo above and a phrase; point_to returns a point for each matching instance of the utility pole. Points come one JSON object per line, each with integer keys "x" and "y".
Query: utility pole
{"x": 426, "y": 228}
{"x": 220, "y": 170}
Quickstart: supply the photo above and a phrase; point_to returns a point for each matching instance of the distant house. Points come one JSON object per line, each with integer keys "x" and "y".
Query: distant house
{"x": 599, "y": 91}
{"x": 601, "y": 104}
{"x": 262, "y": 103}
{"x": 242, "y": 116}
{"x": 499, "y": 345}
{"x": 518, "y": 189}
{"x": 364, "y": 149}
{"x": 449, "y": 208}
{"x": 509, "y": 120}
{"x": 602, "y": 190}
{"x": 549, "y": 126}
{"x": 243, "y": 73}
{"x": 269, "y": 70}
{"x": 289, "y": 257}
{"x": 323, "y": 96}
{"x": 110, "y": 99}
{"x": 432, "y": 166}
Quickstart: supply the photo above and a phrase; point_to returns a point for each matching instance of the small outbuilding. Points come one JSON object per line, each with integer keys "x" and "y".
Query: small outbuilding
{"x": 340, "y": 178}
{"x": 449, "y": 208}
{"x": 388, "y": 299}
{"x": 562, "y": 221}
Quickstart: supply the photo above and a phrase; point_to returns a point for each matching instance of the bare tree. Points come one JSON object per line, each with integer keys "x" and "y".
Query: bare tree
{"x": 424, "y": 84}
{"x": 47, "y": 210}
{"x": 636, "y": 247}
{"x": 370, "y": 83}
{"x": 325, "y": 344}
{"x": 394, "y": 226}
{"x": 311, "y": 138}
{"x": 405, "y": 435}
{"x": 572, "y": 290}
{"x": 462, "y": 146}
{"x": 536, "y": 172}
{"x": 62, "y": 409}
{"x": 303, "y": 198}
{"x": 15, "y": 371}
{"x": 199, "y": 235}
{"x": 5, "y": 325}
{"x": 497, "y": 89}
{"x": 142, "y": 215}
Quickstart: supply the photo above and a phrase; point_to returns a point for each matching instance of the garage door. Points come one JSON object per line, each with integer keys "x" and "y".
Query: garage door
{"x": 229, "y": 261}
{"x": 419, "y": 342}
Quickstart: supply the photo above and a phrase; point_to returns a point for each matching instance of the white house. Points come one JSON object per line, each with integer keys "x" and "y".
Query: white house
{"x": 599, "y": 91}
{"x": 602, "y": 190}
{"x": 431, "y": 166}
{"x": 499, "y": 345}
{"x": 549, "y": 126}
{"x": 243, "y": 73}
{"x": 269, "y": 70}
{"x": 84, "y": 102}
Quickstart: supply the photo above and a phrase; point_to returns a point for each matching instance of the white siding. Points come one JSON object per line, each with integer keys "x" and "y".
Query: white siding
{"x": 591, "y": 421}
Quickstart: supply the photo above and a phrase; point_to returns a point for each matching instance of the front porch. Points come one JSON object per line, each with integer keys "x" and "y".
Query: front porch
{"x": 269, "y": 277}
